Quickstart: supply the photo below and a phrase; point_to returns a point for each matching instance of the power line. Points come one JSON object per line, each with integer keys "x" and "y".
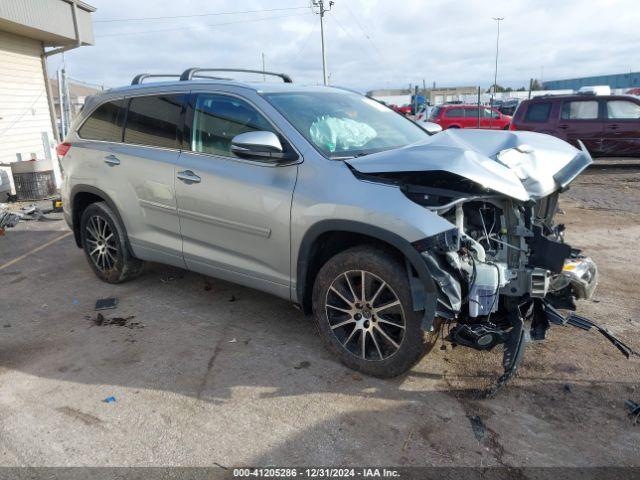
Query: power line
{"x": 304, "y": 45}
{"x": 198, "y": 26}
{"x": 196, "y": 15}
{"x": 366, "y": 35}
{"x": 354, "y": 40}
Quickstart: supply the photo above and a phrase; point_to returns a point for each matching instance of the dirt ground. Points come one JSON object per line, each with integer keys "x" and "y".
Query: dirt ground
{"x": 209, "y": 373}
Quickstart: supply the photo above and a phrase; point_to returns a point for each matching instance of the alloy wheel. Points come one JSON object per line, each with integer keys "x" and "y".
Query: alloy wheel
{"x": 103, "y": 249}
{"x": 365, "y": 315}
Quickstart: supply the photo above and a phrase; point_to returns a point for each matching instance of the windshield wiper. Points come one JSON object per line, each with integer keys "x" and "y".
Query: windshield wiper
{"x": 348, "y": 157}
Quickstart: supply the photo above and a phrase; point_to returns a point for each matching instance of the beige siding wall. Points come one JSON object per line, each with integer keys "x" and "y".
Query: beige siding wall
{"x": 24, "y": 109}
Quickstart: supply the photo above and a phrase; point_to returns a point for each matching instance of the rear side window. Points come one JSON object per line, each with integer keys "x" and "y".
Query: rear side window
{"x": 581, "y": 110}
{"x": 105, "y": 123}
{"x": 455, "y": 113}
{"x": 538, "y": 112}
{"x": 219, "y": 118}
{"x": 435, "y": 112}
{"x": 153, "y": 120}
{"x": 471, "y": 112}
{"x": 623, "y": 110}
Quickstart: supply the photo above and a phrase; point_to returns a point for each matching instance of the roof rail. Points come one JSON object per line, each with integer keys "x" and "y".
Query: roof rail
{"x": 137, "y": 80}
{"x": 190, "y": 73}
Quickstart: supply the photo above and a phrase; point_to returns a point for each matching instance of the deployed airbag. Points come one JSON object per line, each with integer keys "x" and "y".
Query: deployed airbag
{"x": 339, "y": 134}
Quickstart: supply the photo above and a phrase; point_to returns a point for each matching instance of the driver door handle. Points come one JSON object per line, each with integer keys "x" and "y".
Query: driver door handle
{"x": 187, "y": 176}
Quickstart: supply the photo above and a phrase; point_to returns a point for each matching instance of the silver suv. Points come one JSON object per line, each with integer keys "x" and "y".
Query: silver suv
{"x": 382, "y": 231}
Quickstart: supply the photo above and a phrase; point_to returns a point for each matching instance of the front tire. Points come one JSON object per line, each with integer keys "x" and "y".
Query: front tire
{"x": 364, "y": 312}
{"x": 105, "y": 245}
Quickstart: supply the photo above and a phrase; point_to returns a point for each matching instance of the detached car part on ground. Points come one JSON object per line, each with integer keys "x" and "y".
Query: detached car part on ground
{"x": 327, "y": 198}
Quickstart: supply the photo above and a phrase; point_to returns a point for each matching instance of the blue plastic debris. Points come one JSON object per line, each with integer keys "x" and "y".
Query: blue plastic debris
{"x": 75, "y": 301}
{"x": 109, "y": 400}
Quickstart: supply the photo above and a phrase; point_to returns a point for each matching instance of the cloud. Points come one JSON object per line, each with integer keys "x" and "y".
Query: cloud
{"x": 370, "y": 43}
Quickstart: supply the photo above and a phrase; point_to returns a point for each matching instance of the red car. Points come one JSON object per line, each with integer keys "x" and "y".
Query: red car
{"x": 466, "y": 116}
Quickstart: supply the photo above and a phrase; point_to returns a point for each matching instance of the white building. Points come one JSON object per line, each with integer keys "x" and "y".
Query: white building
{"x": 30, "y": 31}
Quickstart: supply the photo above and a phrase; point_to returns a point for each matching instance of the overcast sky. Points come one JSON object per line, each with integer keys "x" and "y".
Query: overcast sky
{"x": 370, "y": 43}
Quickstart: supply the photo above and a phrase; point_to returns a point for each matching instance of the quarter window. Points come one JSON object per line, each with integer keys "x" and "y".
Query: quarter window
{"x": 538, "y": 112}
{"x": 623, "y": 110}
{"x": 153, "y": 120}
{"x": 105, "y": 123}
{"x": 581, "y": 110}
{"x": 219, "y": 118}
{"x": 489, "y": 113}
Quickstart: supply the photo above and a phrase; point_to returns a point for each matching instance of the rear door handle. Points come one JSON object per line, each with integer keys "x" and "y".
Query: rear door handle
{"x": 612, "y": 127}
{"x": 187, "y": 176}
{"x": 563, "y": 127}
{"x": 112, "y": 160}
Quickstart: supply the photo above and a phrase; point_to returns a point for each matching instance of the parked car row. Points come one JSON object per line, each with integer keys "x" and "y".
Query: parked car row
{"x": 608, "y": 125}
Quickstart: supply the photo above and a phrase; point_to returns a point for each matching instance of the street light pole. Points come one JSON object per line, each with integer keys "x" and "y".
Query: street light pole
{"x": 319, "y": 4}
{"x": 495, "y": 76}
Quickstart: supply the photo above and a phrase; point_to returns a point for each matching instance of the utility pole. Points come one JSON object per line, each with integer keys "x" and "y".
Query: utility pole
{"x": 264, "y": 78}
{"x": 321, "y": 10}
{"x": 63, "y": 131}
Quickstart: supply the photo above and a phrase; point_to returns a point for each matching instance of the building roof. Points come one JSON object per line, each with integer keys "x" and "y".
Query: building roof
{"x": 52, "y": 22}
{"x": 75, "y": 89}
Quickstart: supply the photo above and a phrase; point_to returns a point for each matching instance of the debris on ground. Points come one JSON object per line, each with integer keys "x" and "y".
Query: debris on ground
{"x": 8, "y": 220}
{"x": 109, "y": 400}
{"x": 478, "y": 427}
{"x": 567, "y": 387}
{"x": 102, "y": 321}
{"x": 303, "y": 364}
{"x": 233, "y": 298}
{"x": 106, "y": 303}
{"x": 33, "y": 212}
{"x": 233, "y": 340}
{"x": 634, "y": 411}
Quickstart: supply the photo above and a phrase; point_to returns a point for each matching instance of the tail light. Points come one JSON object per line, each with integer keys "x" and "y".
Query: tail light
{"x": 512, "y": 126}
{"x": 62, "y": 149}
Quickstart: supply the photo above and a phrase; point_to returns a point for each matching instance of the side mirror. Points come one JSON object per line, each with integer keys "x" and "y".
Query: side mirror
{"x": 259, "y": 145}
{"x": 431, "y": 128}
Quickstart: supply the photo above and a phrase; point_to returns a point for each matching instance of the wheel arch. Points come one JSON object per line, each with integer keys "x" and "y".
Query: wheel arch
{"x": 81, "y": 197}
{"x": 328, "y": 237}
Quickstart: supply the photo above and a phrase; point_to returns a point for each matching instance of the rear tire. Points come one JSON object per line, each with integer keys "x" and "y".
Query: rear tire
{"x": 105, "y": 245}
{"x": 393, "y": 337}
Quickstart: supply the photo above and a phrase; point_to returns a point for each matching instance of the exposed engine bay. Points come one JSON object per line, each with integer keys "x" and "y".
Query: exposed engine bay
{"x": 503, "y": 271}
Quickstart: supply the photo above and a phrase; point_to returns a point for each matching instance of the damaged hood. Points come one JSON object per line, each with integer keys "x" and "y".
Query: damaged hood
{"x": 521, "y": 165}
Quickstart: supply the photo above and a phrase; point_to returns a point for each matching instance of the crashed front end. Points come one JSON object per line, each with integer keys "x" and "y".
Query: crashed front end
{"x": 503, "y": 270}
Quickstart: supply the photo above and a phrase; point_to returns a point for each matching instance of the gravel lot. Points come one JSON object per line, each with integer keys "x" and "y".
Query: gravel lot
{"x": 209, "y": 373}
